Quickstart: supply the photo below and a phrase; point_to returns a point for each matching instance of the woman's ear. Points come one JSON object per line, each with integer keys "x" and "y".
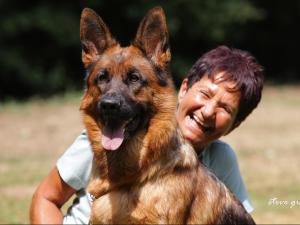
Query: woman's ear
{"x": 182, "y": 90}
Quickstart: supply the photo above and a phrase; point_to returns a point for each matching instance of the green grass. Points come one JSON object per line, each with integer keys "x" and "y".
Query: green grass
{"x": 14, "y": 210}
{"x": 22, "y": 171}
{"x": 15, "y": 106}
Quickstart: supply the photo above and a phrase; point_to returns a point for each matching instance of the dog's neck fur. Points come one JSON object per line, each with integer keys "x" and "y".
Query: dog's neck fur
{"x": 154, "y": 147}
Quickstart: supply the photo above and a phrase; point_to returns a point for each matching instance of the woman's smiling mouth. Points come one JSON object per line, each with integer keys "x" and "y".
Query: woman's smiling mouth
{"x": 195, "y": 122}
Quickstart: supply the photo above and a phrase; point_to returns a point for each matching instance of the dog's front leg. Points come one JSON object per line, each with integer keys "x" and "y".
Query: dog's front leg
{"x": 98, "y": 184}
{"x": 98, "y": 187}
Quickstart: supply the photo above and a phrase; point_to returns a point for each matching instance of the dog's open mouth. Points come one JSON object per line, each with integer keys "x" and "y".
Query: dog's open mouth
{"x": 114, "y": 135}
{"x": 112, "y": 138}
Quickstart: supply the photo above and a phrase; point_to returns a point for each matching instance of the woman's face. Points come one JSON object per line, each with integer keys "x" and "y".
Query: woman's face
{"x": 207, "y": 110}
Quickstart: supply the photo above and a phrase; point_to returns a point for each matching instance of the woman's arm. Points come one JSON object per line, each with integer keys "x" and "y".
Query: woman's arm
{"x": 48, "y": 198}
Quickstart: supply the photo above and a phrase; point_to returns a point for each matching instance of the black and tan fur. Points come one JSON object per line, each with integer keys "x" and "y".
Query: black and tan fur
{"x": 155, "y": 175}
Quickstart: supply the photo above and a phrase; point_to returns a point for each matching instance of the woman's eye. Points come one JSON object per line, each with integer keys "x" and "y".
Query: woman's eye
{"x": 204, "y": 93}
{"x": 133, "y": 77}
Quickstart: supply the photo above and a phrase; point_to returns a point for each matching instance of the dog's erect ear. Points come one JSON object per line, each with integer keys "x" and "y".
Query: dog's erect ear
{"x": 152, "y": 37}
{"x": 94, "y": 35}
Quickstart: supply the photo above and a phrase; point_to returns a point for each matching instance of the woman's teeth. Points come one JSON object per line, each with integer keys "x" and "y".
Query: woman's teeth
{"x": 203, "y": 127}
{"x": 196, "y": 119}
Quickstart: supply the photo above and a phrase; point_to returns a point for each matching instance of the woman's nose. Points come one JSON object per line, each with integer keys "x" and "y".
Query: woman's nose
{"x": 209, "y": 110}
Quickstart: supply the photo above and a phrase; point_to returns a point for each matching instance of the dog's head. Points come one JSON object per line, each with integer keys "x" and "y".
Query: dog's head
{"x": 126, "y": 86}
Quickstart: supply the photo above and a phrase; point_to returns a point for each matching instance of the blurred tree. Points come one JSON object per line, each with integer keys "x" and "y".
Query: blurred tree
{"x": 275, "y": 40}
{"x": 40, "y": 47}
{"x": 37, "y": 47}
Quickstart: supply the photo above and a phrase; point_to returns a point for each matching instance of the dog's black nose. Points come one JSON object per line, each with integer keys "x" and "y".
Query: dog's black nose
{"x": 110, "y": 104}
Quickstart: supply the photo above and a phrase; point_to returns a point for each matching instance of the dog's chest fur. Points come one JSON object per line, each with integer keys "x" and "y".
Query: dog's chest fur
{"x": 148, "y": 202}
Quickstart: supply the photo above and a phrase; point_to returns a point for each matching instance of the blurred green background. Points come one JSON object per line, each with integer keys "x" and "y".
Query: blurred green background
{"x": 40, "y": 47}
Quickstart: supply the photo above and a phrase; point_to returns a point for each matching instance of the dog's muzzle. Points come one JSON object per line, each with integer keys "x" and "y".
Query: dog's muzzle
{"x": 110, "y": 106}
{"x": 116, "y": 116}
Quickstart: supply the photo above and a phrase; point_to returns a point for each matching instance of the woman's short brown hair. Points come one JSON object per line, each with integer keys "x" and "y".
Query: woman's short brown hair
{"x": 238, "y": 66}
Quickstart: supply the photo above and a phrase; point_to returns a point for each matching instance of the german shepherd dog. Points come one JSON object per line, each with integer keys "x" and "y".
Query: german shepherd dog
{"x": 143, "y": 171}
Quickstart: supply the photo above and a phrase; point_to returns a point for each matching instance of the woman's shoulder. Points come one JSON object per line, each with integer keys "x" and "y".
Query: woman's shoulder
{"x": 222, "y": 150}
{"x": 75, "y": 164}
{"x": 219, "y": 154}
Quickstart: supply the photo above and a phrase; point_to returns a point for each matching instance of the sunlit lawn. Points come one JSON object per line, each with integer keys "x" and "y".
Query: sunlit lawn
{"x": 36, "y": 133}
{"x": 268, "y": 149}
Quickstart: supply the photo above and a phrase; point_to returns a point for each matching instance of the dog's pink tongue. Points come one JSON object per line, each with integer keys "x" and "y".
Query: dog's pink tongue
{"x": 112, "y": 139}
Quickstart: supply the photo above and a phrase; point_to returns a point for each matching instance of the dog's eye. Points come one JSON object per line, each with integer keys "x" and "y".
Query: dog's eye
{"x": 102, "y": 76}
{"x": 133, "y": 77}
